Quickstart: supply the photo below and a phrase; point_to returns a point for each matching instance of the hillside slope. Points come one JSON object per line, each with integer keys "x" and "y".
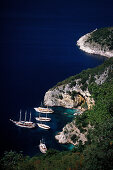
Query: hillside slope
{"x": 74, "y": 91}
{"x": 92, "y": 92}
{"x": 91, "y": 132}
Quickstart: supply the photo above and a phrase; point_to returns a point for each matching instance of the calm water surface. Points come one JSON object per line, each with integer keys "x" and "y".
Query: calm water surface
{"x": 37, "y": 50}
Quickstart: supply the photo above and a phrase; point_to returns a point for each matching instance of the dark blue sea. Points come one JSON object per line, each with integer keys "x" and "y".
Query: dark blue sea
{"x": 37, "y": 50}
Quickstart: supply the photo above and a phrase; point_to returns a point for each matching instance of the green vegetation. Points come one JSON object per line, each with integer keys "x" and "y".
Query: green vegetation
{"x": 52, "y": 160}
{"x": 103, "y": 37}
{"x": 84, "y": 105}
{"x": 73, "y": 83}
{"x": 97, "y": 153}
{"x": 88, "y": 75}
{"x": 73, "y": 94}
{"x": 74, "y": 138}
{"x": 60, "y": 97}
{"x": 103, "y": 96}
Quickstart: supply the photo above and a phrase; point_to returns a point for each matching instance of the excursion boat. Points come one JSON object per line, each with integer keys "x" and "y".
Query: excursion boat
{"x": 46, "y": 119}
{"x": 42, "y": 147}
{"x": 25, "y": 124}
{"x": 44, "y": 110}
{"x": 43, "y": 126}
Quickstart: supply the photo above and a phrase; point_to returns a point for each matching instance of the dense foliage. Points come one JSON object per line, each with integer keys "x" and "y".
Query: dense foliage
{"x": 97, "y": 153}
{"x": 103, "y": 37}
{"x": 87, "y": 75}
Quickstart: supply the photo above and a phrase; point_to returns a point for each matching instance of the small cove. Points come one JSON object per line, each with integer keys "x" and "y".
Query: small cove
{"x": 38, "y": 50}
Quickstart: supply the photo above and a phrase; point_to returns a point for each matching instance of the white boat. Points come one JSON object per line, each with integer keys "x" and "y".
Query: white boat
{"x": 42, "y": 147}
{"x": 46, "y": 119}
{"x": 25, "y": 124}
{"x": 44, "y": 110}
{"x": 43, "y": 126}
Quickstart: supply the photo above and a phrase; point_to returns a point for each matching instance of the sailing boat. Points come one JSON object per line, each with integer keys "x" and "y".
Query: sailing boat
{"x": 43, "y": 118}
{"x": 43, "y": 109}
{"x": 42, "y": 146}
{"x": 43, "y": 126}
{"x": 25, "y": 124}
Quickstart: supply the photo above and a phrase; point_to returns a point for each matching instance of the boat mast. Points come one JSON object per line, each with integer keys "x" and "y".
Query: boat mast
{"x": 41, "y": 104}
{"x": 25, "y": 116}
{"x": 20, "y": 116}
{"x": 30, "y": 117}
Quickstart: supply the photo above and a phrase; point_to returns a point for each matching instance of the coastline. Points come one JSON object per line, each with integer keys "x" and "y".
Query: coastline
{"x": 58, "y": 96}
{"x": 92, "y": 48}
{"x": 65, "y": 136}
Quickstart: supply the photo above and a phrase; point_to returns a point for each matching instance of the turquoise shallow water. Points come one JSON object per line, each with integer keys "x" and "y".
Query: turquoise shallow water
{"x": 37, "y": 50}
{"x": 68, "y": 146}
{"x": 27, "y": 140}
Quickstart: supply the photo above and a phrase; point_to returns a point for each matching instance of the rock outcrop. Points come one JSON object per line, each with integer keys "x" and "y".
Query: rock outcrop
{"x": 74, "y": 91}
{"x": 68, "y": 132}
{"x": 93, "y": 47}
{"x": 100, "y": 79}
{"x": 63, "y": 96}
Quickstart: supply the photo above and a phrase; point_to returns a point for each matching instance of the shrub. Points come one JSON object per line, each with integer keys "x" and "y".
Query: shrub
{"x": 60, "y": 97}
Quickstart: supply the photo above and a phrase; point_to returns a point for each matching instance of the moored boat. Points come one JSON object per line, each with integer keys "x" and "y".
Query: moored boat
{"x": 44, "y": 110}
{"x": 42, "y": 147}
{"x": 43, "y": 126}
{"x": 46, "y": 119}
{"x": 25, "y": 124}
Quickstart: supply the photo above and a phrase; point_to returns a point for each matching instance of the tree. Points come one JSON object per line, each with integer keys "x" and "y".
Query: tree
{"x": 99, "y": 154}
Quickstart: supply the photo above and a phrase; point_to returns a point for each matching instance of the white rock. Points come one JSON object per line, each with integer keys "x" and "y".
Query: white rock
{"x": 93, "y": 48}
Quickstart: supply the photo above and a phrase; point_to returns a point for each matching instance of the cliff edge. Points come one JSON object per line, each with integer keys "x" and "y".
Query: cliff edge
{"x": 99, "y": 41}
{"x": 83, "y": 90}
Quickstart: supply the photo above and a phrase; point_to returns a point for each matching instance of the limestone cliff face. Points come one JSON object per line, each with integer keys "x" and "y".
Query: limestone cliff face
{"x": 63, "y": 96}
{"x": 70, "y": 95}
{"x": 73, "y": 92}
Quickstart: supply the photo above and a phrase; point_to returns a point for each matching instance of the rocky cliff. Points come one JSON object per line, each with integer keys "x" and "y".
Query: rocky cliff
{"x": 98, "y": 42}
{"x": 74, "y": 92}
{"x": 68, "y": 97}
{"x": 71, "y": 134}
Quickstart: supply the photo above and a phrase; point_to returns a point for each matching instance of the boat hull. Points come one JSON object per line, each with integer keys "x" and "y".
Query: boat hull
{"x": 42, "y": 148}
{"x": 43, "y": 119}
{"x": 24, "y": 124}
{"x": 43, "y": 126}
{"x": 43, "y": 110}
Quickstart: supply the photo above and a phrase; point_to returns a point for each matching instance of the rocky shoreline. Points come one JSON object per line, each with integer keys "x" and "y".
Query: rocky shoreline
{"x": 73, "y": 94}
{"x": 65, "y": 136}
{"x": 93, "y": 48}
{"x": 59, "y": 96}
